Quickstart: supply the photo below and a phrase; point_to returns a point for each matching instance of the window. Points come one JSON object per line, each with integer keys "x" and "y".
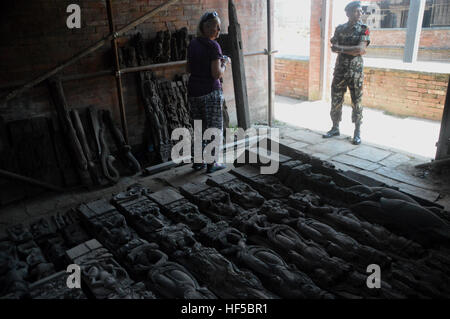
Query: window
{"x": 386, "y": 14}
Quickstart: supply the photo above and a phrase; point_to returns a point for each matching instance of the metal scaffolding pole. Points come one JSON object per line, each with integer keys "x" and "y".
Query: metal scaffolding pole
{"x": 123, "y": 116}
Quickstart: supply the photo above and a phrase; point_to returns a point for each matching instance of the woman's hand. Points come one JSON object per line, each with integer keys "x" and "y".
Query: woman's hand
{"x": 225, "y": 61}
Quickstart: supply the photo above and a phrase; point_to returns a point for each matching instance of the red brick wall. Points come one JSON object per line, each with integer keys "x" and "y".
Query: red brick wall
{"x": 429, "y": 38}
{"x": 291, "y": 78}
{"x": 434, "y": 44}
{"x": 35, "y": 39}
{"x": 405, "y": 92}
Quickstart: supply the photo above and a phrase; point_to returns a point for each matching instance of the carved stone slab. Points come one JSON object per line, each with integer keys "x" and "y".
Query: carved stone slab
{"x": 218, "y": 180}
{"x": 95, "y": 209}
{"x": 172, "y": 280}
{"x": 185, "y": 212}
{"x": 55, "y": 287}
{"x": 193, "y": 188}
{"x": 104, "y": 277}
{"x": 245, "y": 171}
{"x": 166, "y": 196}
{"x": 212, "y": 201}
{"x": 133, "y": 192}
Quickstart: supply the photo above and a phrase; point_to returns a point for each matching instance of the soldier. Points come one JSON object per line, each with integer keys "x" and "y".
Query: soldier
{"x": 350, "y": 41}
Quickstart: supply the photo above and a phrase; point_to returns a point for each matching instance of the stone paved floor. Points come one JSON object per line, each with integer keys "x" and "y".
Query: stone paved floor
{"x": 385, "y": 164}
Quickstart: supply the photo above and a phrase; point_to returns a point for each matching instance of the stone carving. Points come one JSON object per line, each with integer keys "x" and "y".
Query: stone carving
{"x": 112, "y": 230}
{"x": 106, "y": 158}
{"x": 174, "y": 281}
{"x": 267, "y": 185}
{"x": 55, "y": 250}
{"x": 103, "y": 276}
{"x": 370, "y": 234}
{"x": 223, "y": 277}
{"x": 278, "y": 212}
{"x": 133, "y": 192}
{"x": 145, "y": 216}
{"x": 222, "y": 237}
{"x": 285, "y": 280}
{"x": 157, "y": 52}
{"x": 212, "y": 201}
{"x": 169, "y": 100}
{"x": 343, "y": 220}
{"x": 407, "y": 219}
{"x": 13, "y": 273}
{"x": 243, "y": 194}
{"x": 175, "y": 237}
{"x": 165, "y": 57}
{"x": 182, "y": 43}
{"x": 129, "y": 58}
{"x": 183, "y": 211}
{"x": 139, "y": 45}
{"x": 55, "y": 287}
{"x": 251, "y": 222}
{"x": 41, "y": 229}
{"x": 154, "y": 110}
{"x": 340, "y": 244}
{"x": 124, "y": 149}
{"x": 18, "y": 233}
{"x": 142, "y": 258}
{"x": 106, "y": 280}
{"x": 74, "y": 235}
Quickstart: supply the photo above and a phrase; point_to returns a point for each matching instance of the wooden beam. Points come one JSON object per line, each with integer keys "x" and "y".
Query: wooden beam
{"x": 122, "y": 111}
{"x": 29, "y": 180}
{"x": 443, "y": 145}
{"x": 239, "y": 79}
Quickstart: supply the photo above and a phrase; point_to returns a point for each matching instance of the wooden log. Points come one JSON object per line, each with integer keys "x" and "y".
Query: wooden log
{"x": 29, "y": 180}
{"x": 123, "y": 148}
{"x": 443, "y": 145}
{"x": 74, "y": 144}
{"x": 239, "y": 79}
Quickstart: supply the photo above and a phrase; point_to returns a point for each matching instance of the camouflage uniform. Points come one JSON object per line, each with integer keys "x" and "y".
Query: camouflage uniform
{"x": 348, "y": 71}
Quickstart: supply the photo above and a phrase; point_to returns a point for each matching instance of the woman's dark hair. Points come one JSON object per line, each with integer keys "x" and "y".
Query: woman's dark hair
{"x": 205, "y": 18}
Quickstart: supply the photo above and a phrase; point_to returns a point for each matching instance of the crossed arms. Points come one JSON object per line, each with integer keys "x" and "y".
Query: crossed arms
{"x": 354, "y": 50}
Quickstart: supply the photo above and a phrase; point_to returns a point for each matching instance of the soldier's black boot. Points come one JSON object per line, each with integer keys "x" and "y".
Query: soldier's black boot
{"x": 357, "y": 134}
{"x": 333, "y": 132}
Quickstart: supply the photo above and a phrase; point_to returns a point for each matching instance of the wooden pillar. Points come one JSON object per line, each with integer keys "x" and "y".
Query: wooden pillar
{"x": 270, "y": 62}
{"x": 239, "y": 79}
{"x": 324, "y": 47}
{"x": 443, "y": 145}
{"x": 123, "y": 116}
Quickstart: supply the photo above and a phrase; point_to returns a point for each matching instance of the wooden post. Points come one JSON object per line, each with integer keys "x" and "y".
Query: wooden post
{"x": 239, "y": 79}
{"x": 123, "y": 116}
{"x": 270, "y": 61}
{"x": 29, "y": 180}
{"x": 443, "y": 145}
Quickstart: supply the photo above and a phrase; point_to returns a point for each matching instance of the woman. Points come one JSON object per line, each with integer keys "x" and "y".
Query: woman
{"x": 207, "y": 66}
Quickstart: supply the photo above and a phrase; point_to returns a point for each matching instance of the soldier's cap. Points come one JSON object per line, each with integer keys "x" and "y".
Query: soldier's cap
{"x": 352, "y": 5}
